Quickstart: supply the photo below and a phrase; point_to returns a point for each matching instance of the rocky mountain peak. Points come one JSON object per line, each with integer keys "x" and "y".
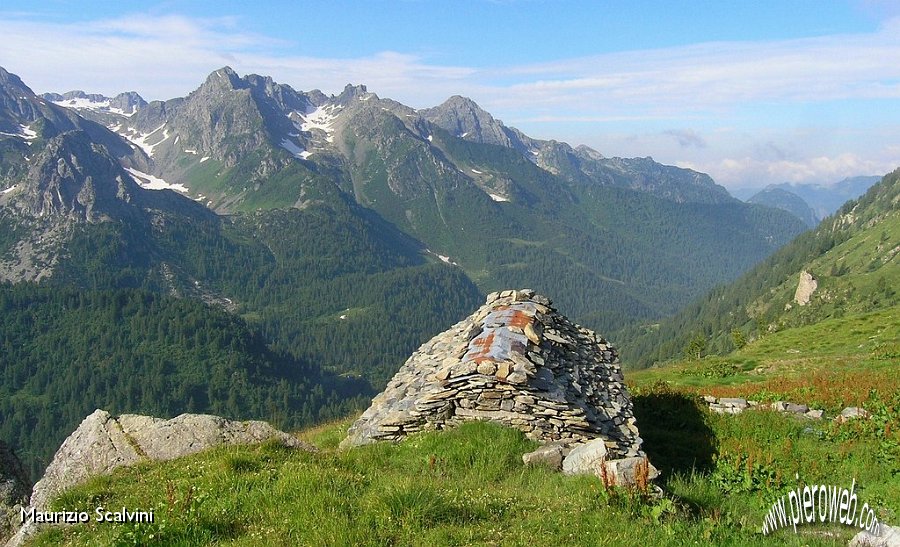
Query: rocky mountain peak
{"x": 352, "y": 93}
{"x": 223, "y": 79}
{"x": 18, "y": 103}
{"x": 9, "y": 80}
{"x": 588, "y": 152}
{"x": 75, "y": 178}
{"x": 463, "y": 118}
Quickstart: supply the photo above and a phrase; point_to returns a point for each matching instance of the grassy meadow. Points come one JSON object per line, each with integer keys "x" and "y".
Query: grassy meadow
{"x": 468, "y": 486}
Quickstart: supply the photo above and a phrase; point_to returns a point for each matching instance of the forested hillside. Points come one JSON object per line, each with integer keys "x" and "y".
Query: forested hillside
{"x": 66, "y": 352}
{"x": 852, "y": 256}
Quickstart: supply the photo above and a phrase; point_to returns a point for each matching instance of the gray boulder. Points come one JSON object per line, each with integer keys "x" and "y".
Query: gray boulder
{"x": 888, "y": 536}
{"x": 591, "y": 459}
{"x": 550, "y": 455}
{"x": 586, "y": 458}
{"x": 851, "y": 413}
{"x": 634, "y": 471}
{"x": 103, "y": 443}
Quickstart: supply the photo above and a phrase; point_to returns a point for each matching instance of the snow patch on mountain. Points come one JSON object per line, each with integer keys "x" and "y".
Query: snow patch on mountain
{"x": 444, "y": 259}
{"x": 8, "y": 190}
{"x": 321, "y": 119}
{"x": 27, "y": 133}
{"x": 24, "y": 133}
{"x": 150, "y": 182}
{"x": 146, "y": 141}
{"x": 497, "y": 197}
{"x": 85, "y": 103}
{"x": 295, "y": 150}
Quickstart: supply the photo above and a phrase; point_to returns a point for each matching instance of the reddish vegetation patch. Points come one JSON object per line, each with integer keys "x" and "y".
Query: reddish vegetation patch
{"x": 832, "y": 390}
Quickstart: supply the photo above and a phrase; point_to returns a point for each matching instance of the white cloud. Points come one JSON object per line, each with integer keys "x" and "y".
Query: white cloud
{"x": 754, "y": 172}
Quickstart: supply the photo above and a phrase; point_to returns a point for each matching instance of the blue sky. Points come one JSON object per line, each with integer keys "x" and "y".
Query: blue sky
{"x": 751, "y": 92}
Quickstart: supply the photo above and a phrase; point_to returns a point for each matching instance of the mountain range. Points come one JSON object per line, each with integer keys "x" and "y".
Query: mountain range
{"x": 341, "y": 231}
{"x": 473, "y": 192}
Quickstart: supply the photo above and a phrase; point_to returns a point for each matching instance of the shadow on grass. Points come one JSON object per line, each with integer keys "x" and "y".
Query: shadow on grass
{"x": 676, "y": 436}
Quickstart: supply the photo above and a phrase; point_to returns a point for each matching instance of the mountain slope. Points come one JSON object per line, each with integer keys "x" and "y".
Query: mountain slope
{"x": 507, "y": 209}
{"x": 464, "y": 119}
{"x": 849, "y": 264}
{"x": 787, "y": 201}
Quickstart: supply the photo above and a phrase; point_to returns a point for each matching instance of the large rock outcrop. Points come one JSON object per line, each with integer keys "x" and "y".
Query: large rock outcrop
{"x": 805, "y": 288}
{"x": 515, "y": 361}
{"x": 14, "y": 489}
{"x": 103, "y": 443}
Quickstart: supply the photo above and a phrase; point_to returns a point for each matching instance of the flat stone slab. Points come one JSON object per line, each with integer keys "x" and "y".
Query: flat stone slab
{"x": 550, "y": 455}
{"x": 585, "y": 458}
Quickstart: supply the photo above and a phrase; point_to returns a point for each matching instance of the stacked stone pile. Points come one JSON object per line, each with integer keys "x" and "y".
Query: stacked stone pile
{"x": 515, "y": 361}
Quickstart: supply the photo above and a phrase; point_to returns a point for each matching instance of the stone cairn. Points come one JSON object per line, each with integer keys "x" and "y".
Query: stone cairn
{"x": 518, "y": 362}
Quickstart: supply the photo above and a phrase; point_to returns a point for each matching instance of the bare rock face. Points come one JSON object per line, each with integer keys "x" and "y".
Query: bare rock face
{"x": 515, "y": 361}
{"x": 805, "y": 288}
{"x": 14, "y": 489}
{"x": 103, "y": 443}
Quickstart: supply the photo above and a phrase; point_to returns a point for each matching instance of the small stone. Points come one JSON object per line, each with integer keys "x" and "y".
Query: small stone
{"x": 550, "y": 455}
{"x": 815, "y": 414}
{"x": 734, "y": 402}
{"x": 532, "y": 334}
{"x": 554, "y": 338}
{"x": 487, "y": 368}
{"x": 517, "y": 378}
{"x": 851, "y": 413}
{"x": 503, "y": 370}
{"x": 626, "y": 471}
{"x": 709, "y": 399}
{"x": 796, "y": 409}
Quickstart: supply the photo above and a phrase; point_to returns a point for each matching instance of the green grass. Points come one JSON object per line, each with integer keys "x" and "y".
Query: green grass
{"x": 468, "y": 486}
{"x": 833, "y": 363}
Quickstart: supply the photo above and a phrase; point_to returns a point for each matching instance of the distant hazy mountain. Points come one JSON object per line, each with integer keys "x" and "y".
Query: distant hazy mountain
{"x": 787, "y": 201}
{"x": 826, "y": 199}
{"x": 821, "y": 199}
